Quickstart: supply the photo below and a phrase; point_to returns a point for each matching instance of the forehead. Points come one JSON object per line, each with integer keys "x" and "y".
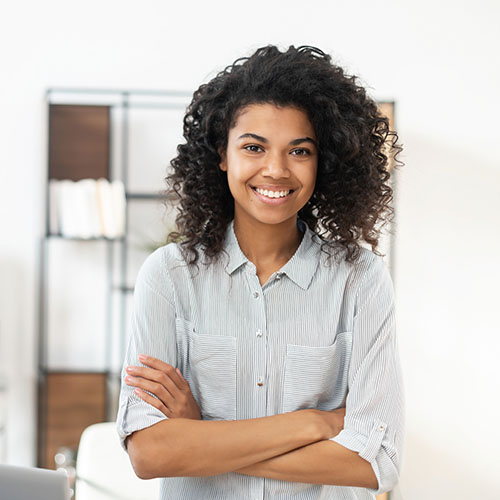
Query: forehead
{"x": 273, "y": 121}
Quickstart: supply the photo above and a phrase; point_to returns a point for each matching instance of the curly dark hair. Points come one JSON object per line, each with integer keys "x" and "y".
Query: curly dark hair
{"x": 352, "y": 197}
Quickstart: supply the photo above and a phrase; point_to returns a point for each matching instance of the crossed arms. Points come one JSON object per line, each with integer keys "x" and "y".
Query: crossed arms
{"x": 291, "y": 446}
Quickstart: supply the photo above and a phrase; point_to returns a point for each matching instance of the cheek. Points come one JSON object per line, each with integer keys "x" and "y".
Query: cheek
{"x": 309, "y": 179}
{"x": 238, "y": 174}
{"x": 236, "y": 183}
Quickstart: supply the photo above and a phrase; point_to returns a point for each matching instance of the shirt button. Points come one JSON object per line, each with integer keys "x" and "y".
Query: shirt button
{"x": 258, "y": 333}
{"x": 255, "y": 294}
{"x": 260, "y": 382}
{"x": 381, "y": 428}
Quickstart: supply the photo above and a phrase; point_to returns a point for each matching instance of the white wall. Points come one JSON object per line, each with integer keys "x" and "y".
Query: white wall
{"x": 438, "y": 60}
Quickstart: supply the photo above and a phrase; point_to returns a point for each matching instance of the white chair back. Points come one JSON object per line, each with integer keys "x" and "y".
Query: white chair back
{"x": 103, "y": 469}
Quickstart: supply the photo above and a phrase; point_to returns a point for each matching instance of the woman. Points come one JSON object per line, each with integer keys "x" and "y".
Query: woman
{"x": 263, "y": 360}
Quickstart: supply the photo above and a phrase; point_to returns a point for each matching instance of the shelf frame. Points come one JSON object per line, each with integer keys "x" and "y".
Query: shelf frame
{"x": 124, "y": 99}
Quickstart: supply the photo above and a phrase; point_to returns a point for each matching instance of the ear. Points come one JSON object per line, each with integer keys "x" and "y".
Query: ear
{"x": 223, "y": 160}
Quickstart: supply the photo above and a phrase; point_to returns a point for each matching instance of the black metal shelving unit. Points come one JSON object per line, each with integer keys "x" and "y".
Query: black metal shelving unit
{"x": 125, "y": 100}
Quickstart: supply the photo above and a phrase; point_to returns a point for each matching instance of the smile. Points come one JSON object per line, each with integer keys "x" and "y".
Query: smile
{"x": 273, "y": 194}
{"x": 273, "y": 197}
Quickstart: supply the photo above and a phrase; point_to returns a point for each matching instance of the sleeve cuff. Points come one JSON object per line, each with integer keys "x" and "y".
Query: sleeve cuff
{"x": 370, "y": 448}
{"x": 134, "y": 416}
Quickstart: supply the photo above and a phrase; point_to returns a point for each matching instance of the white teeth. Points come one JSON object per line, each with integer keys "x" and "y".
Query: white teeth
{"x": 272, "y": 194}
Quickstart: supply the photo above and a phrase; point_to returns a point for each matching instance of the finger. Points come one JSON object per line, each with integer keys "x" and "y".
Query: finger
{"x": 182, "y": 382}
{"x": 153, "y": 387}
{"x": 153, "y": 402}
{"x": 163, "y": 367}
{"x": 181, "y": 377}
{"x": 155, "y": 375}
{"x": 153, "y": 362}
{"x": 147, "y": 372}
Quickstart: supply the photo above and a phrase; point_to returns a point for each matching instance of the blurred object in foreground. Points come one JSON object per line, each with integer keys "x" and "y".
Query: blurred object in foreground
{"x": 3, "y": 417}
{"x": 65, "y": 462}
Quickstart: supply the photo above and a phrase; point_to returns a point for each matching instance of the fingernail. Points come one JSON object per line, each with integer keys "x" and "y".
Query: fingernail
{"x": 128, "y": 379}
{"x": 130, "y": 369}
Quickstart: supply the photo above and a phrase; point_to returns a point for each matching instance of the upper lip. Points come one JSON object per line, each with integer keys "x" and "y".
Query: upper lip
{"x": 274, "y": 188}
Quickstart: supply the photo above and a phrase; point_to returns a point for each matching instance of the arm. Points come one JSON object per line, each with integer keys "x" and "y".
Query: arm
{"x": 174, "y": 399}
{"x": 311, "y": 463}
{"x": 324, "y": 462}
{"x": 374, "y": 422}
{"x": 185, "y": 447}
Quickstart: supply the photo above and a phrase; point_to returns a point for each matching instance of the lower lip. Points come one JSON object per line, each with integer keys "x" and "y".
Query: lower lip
{"x": 273, "y": 201}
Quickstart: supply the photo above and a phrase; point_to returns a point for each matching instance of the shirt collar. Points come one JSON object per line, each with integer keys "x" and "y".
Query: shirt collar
{"x": 300, "y": 268}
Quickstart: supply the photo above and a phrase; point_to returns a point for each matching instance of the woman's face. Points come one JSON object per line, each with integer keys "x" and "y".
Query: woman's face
{"x": 271, "y": 162}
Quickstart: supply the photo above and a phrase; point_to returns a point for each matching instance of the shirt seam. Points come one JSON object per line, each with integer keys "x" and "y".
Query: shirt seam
{"x": 154, "y": 290}
{"x": 167, "y": 278}
{"x": 362, "y": 282}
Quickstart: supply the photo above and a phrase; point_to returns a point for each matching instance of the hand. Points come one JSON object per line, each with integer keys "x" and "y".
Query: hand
{"x": 333, "y": 421}
{"x": 175, "y": 399}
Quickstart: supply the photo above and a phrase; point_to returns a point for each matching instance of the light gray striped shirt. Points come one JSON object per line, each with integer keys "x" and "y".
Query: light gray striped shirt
{"x": 313, "y": 336}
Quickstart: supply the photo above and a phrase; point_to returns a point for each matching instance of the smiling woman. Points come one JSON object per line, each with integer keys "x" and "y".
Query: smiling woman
{"x": 263, "y": 358}
{"x": 266, "y": 168}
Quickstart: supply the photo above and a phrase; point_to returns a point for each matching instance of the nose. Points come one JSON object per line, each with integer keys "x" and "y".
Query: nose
{"x": 276, "y": 166}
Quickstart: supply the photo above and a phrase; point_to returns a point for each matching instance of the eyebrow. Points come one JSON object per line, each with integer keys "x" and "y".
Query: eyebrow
{"x": 295, "y": 142}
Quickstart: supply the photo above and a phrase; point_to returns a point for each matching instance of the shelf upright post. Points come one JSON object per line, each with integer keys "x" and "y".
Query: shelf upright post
{"x": 43, "y": 290}
{"x": 125, "y": 161}
{"x": 110, "y": 258}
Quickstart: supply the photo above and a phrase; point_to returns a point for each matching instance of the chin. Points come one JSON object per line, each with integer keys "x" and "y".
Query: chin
{"x": 274, "y": 219}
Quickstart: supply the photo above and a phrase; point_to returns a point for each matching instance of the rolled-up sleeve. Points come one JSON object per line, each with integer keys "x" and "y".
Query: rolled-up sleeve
{"x": 374, "y": 420}
{"x": 153, "y": 334}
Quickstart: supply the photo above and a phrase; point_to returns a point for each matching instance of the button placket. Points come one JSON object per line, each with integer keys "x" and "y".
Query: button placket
{"x": 259, "y": 334}
{"x": 260, "y": 363}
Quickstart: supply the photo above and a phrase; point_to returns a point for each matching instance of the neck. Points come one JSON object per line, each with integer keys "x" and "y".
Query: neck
{"x": 267, "y": 245}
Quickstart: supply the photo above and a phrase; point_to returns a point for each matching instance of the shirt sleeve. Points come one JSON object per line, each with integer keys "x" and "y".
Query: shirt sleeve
{"x": 374, "y": 420}
{"x": 153, "y": 334}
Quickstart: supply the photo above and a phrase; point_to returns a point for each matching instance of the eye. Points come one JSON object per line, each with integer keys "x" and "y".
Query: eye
{"x": 253, "y": 148}
{"x": 301, "y": 152}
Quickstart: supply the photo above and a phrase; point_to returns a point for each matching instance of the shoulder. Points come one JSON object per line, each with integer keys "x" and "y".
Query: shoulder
{"x": 367, "y": 263}
{"x": 375, "y": 281}
{"x": 371, "y": 265}
{"x": 367, "y": 274}
{"x": 154, "y": 273}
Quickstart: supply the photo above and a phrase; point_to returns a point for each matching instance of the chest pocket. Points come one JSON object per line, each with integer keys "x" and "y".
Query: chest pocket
{"x": 208, "y": 362}
{"x": 316, "y": 377}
